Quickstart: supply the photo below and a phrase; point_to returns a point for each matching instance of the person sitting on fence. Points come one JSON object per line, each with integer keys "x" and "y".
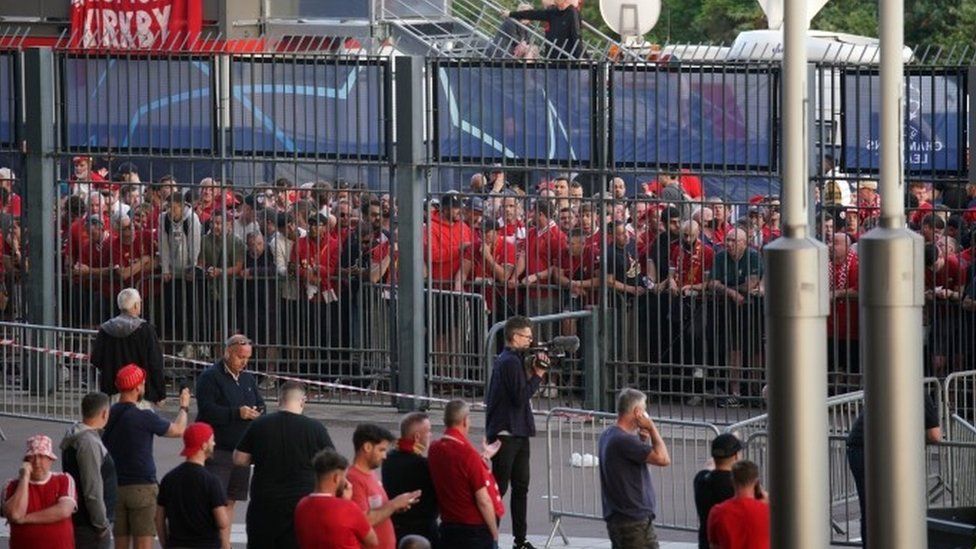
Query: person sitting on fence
{"x": 741, "y": 522}
{"x": 626, "y": 449}
{"x": 714, "y": 485}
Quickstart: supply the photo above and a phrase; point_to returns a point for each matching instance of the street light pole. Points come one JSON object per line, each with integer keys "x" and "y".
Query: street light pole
{"x": 891, "y": 297}
{"x": 796, "y": 312}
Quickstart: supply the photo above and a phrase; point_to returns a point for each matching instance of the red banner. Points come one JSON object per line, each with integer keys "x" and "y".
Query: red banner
{"x": 135, "y": 24}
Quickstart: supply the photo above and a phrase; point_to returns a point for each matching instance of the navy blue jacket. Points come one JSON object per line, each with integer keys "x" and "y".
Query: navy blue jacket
{"x": 219, "y": 399}
{"x": 509, "y": 397}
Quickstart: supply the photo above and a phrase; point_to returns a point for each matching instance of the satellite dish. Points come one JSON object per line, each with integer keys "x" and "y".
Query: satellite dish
{"x": 631, "y": 17}
{"x": 774, "y": 11}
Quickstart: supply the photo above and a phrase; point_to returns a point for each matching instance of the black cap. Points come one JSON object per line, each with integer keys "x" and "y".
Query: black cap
{"x": 126, "y": 168}
{"x": 317, "y": 219}
{"x": 451, "y": 200}
{"x": 725, "y": 445}
{"x": 488, "y": 224}
{"x": 669, "y": 213}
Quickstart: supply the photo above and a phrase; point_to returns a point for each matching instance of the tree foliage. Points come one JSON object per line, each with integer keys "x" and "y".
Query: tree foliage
{"x": 943, "y": 23}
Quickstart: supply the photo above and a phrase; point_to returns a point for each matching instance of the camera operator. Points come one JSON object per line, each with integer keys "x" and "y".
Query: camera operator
{"x": 509, "y": 417}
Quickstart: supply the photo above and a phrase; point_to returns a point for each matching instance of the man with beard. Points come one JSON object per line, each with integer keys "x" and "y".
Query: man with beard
{"x": 191, "y": 510}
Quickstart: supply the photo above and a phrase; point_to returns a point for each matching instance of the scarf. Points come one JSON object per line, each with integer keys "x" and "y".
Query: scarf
{"x": 410, "y": 446}
{"x": 838, "y": 280}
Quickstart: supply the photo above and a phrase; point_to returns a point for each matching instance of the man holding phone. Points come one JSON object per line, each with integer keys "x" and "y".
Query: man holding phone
{"x": 228, "y": 400}
{"x": 371, "y": 443}
{"x": 626, "y": 448}
{"x": 328, "y": 517}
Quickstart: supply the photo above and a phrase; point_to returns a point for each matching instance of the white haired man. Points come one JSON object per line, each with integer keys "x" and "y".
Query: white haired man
{"x": 129, "y": 339}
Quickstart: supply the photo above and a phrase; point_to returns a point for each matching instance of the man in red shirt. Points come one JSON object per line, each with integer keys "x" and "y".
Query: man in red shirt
{"x": 544, "y": 244}
{"x": 132, "y": 255}
{"x": 691, "y": 259}
{"x": 467, "y": 493}
{"x": 743, "y": 521}
{"x": 13, "y": 205}
{"x": 842, "y": 327}
{"x": 371, "y": 443}
{"x": 38, "y": 504}
{"x": 945, "y": 280}
{"x": 327, "y": 518}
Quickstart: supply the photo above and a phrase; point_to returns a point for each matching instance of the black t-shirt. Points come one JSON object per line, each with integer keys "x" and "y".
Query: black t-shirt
{"x": 282, "y": 446}
{"x": 711, "y": 488}
{"x": 405, "y": 472}
{"x": 855, "y": 439}
{"x": 190, "y": 493}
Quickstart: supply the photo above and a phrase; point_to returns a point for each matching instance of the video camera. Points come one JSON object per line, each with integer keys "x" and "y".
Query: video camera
{"x": 557, "y": 347}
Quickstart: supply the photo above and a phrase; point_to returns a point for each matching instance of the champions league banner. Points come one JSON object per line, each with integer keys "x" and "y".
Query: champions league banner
{"x": 935, "y": 121}
{"x": 7, "y": 94}
{"x": 492, "y": 113}
{"x": 138, "y": 104}
{"x": 308, "y": 107}
{"x": 693, "y": 116}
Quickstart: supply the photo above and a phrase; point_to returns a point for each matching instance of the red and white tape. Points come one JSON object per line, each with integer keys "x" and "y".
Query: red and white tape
{"x": 327, "y": 384}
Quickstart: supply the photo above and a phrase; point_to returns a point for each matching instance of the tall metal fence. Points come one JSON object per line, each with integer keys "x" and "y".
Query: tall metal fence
{"x": 256, "y": 192}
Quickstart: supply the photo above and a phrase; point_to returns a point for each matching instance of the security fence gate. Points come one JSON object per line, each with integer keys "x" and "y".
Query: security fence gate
{"x": 256, "y": 192}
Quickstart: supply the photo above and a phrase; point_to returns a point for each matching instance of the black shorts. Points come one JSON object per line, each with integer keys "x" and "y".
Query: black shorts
{"x": 233, "y": 478}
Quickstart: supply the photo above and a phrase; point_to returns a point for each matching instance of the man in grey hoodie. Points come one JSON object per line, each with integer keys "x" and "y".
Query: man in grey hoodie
{"x": 129, "y": 339}
{"x": 87, "y": 460}
{"x": 180, "y": 234}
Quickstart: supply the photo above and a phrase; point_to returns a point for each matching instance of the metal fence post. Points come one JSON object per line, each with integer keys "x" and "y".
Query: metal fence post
{"x": 411, "y": 187}
{"x": 891, "y": 299}
{"x": 592, "y": 370}
{"x": 796, "y": 315}
{"x": 39, "y": 145}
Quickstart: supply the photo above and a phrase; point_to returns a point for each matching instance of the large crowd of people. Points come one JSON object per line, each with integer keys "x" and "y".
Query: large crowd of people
{"x": 310, "y": 267}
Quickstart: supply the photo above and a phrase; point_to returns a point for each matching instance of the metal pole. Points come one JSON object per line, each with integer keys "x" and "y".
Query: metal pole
{"x": 411, "y": 188}
{"x": 39, "y": 222}
{"x": 891, "y": 297}
{"x": 796, "y": 311}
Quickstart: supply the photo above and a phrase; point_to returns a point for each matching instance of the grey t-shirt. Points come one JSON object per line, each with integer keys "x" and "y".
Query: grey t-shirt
{"x": 624, "y": 476}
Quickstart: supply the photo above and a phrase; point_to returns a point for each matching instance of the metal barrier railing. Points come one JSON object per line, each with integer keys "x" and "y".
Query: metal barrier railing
{"x": 573, "y": 468}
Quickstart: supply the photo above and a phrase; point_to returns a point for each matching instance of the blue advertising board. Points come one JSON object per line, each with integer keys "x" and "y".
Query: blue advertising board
{"x": 935, "y": 121}
{"x": 527, "y": 113}
{"x": 7, "y": 97}
{"x": 138, "y": 103}
{"x": 693, "y": 116}
{"x": 308, "y": 107}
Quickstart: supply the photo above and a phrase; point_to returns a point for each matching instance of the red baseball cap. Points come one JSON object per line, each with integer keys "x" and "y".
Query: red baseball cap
{"x": 194, "y": 437}
{"x": 129, "y": 377}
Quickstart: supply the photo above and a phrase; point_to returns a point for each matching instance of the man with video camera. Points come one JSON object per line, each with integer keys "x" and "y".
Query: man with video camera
{"x": 515, "y": 377}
